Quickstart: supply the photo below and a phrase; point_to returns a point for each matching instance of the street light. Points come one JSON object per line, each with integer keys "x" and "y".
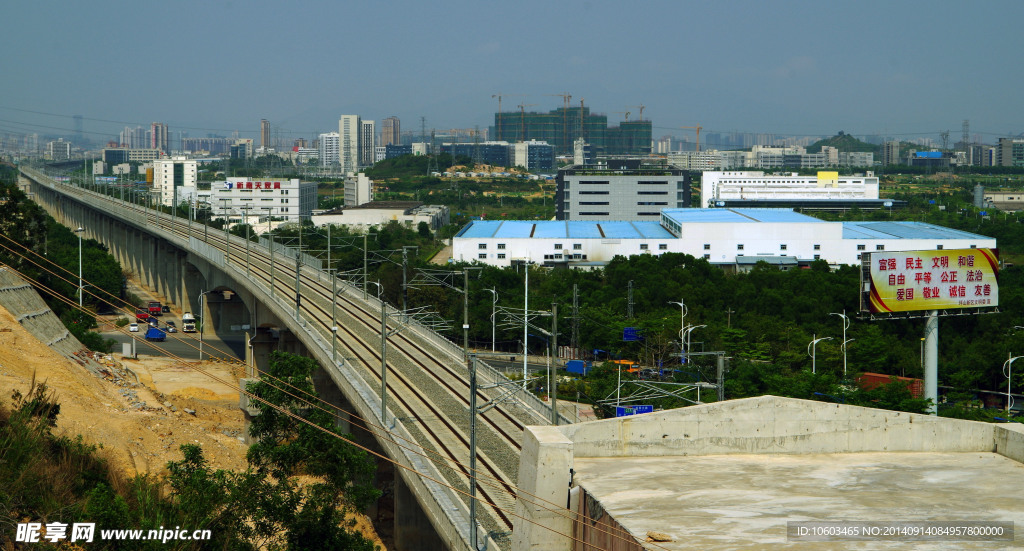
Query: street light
{"x": 494, "y": 305}
{"x": 846, "y": 325}
{"x": 812, "y": 349}
{"x": 81, "y": 289}
{"x": 1006, "y": 371}
{"x": 687, "y": 331}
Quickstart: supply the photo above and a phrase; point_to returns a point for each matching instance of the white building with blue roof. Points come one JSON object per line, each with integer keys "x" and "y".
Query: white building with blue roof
{"x": 729, "y": 237}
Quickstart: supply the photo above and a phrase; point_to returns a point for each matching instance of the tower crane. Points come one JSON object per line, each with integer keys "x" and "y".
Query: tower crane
{"x": 641, "y": 108}
{"x": 566, "y": 97}
{"x": 522, "y": 119}
{"x": 698, "y": 128}
{"x": 499, "y": 95}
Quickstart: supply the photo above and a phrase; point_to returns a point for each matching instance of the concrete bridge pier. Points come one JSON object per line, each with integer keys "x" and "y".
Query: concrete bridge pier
{"x": 413, "y": 531}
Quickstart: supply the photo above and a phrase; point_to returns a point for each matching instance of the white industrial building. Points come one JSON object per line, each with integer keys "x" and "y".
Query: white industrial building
{"x": 378, "y": 213}
{"x": 172, "y": 175}
{"x": 724, "y": 186}
{"x": 727, "y": 237}
{"x": 243, "y": 198}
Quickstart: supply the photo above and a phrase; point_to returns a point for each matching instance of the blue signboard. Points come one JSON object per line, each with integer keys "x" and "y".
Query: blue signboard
{"x": 623, "y": 411}
{"x": 630, "y": 334}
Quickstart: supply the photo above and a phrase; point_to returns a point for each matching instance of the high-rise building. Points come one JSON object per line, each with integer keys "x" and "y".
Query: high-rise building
{"x": 562, "y": 126}
{"x": 1010, "y": 152}
{"x": 367, "y": 140}
{"x": 329, "y": 149}
{"x": 349, "y": 129}
{"x": 59, "y": 150}
{"x": 891, "y": 153}
{"x": 390, "y": 133}
{"x": 264, "y": 133}
{"x": 170, "y": 175}
{"x": 158, "y": 136}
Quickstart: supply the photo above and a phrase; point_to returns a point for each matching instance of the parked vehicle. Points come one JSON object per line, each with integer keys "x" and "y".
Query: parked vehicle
{"x": 155, "y": 308}
{"x": 133, "y": 327}
{"x": 188, "y": 323}
{"x": 154, "y": 334}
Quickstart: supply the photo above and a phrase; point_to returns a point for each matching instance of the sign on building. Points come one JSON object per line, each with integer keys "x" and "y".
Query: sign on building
{"x": 622, "y": 411}
{"x": 912, "y": 281}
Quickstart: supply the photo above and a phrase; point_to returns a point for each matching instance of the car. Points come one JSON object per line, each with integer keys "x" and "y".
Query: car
{"x": 153, "y": 322}
{"x": 171, "y": 327}
{"x": 165, "y": 309}
{"x": 133, "y": 327}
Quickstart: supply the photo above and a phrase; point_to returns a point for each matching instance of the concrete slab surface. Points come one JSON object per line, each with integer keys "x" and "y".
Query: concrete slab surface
{"x": 745, "y": 501}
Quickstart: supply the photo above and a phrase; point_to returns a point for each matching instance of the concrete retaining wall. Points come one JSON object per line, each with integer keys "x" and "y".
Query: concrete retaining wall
{"x": 769, "y": 424}
{"x": 24, "y": 303}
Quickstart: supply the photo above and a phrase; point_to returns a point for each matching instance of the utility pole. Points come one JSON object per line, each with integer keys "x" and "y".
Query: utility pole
{"x": 629, "y": 301}
{"x": 553, "y": 370}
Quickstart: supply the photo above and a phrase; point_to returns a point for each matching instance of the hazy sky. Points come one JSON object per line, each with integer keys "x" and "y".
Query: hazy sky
{"x": 866, "y": 67}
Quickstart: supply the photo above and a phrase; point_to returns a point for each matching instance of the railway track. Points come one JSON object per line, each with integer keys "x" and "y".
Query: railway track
{"x": 428, "y": 389}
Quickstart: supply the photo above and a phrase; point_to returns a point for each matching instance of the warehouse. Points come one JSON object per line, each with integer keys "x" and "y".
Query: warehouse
{"x": 734, "y": 238}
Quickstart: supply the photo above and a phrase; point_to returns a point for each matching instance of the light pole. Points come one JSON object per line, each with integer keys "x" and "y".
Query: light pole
{"x": 1007, "y": 372}
{"x": 81, "y": 289}
{"x": 494, "y": 305}
{"x": 688, "y": 331}
{"x": 812, "y": 350}
{"x": 846, "y": 325}
{"x": 682, "y": 327}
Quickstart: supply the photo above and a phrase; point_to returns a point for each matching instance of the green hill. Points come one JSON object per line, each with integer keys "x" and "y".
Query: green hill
{"x": 844, "y": 142}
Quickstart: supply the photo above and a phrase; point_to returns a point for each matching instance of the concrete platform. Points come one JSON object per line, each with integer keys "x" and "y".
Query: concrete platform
{"x": 745, "y": 501}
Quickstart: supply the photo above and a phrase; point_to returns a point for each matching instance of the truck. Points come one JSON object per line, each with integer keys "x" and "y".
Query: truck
{"x": 154, "y": 334}
{"x": 154, "y": 308}
{"x": 141, "y": 315}
{"x": 188, "y": 323}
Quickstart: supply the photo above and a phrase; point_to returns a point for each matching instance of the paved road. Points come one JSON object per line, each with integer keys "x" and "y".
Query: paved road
{"x": 184, "y": 345}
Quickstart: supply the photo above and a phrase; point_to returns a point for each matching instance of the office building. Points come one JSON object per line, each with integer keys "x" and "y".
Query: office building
{"x": 534, "y": 155}
{"x": 367, "y": 142}
{"x": 391, "y": 132}
{"x": 172, "y": 174}
{"x": 349, "y": 130}
{"x": 1010, "y": 152}
{"x": 619, "y": 190}
{"x": 329, "y": 148}
{"x": 242, "y": 198}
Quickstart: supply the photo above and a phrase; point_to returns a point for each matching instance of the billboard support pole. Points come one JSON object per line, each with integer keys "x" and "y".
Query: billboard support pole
{"x": 931, "y": 361}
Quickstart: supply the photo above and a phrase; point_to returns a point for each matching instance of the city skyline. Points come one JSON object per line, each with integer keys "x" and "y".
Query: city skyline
{"x": 790, "y": 69}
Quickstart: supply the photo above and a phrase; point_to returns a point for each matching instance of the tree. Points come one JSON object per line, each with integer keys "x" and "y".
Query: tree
{"x": 287, "y": 448}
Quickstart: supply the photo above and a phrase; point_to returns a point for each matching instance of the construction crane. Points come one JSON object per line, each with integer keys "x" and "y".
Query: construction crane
{"x": 566, "y": 97}
{"x": 522, "y": 119}
{"x": 698, "y": 128}
{"x": 626, "y": 113}
{"x": 582, "y": 137}
{"x": 499, "y": 95}
{"x": 641, "y": 108}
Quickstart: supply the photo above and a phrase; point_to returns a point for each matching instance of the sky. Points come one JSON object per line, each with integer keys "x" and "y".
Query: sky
{"x": 900, "y": 69}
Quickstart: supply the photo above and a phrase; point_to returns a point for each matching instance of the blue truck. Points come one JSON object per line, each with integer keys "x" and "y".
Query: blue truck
{"x": 154, "y": 334}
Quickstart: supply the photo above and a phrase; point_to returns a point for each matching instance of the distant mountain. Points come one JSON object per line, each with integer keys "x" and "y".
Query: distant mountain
{"x": 844, "y": 142}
